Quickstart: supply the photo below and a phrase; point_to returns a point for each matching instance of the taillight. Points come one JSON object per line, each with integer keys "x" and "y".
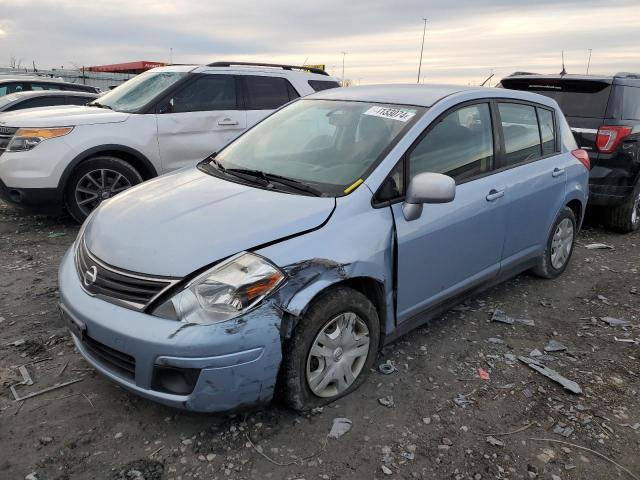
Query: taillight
{"x": 609, "y": 138}
{"x": 583, "y": 157}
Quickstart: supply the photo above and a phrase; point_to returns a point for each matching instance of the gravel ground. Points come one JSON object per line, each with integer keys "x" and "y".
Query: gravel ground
{"x": 432, "y": 418}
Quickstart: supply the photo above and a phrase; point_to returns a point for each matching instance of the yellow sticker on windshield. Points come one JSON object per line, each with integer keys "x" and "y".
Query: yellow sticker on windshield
{"x": 400, "y": 114}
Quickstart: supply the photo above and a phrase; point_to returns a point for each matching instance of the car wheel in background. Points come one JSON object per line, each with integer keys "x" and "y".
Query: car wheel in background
{"x": 332, "y": 349}
{"x": 626, "y": 217}
{"x": 559, "y": 246}
{"x": 96, "y": 180}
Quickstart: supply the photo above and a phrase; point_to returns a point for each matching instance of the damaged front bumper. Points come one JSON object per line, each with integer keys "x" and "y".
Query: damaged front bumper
{"x": 206, "y": 368}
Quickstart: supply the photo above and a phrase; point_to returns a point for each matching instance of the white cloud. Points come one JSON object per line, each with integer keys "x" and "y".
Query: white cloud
{"x": 465, "y": 41}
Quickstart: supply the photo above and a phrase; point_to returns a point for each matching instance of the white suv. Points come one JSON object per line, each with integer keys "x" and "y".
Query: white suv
{"x": 161, "y": 120}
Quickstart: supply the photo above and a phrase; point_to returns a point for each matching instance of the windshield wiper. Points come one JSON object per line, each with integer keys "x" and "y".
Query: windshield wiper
{"x": 272, "y": 177}
{"x": 293, "y": 183}
{"x": 100, "y": 105}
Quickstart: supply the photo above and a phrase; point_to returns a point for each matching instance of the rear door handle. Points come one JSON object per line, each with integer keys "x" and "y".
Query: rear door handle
{"x": 557, "y": 172}
{"x": 494, "y": 194}
{"x": 227, "y": 122}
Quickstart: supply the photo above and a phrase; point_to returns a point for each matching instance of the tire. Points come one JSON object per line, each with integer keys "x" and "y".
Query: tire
{"x": 549, "y": 265}
{"x": 336, "y": 306}
{"x": 83, "y": 195}
{"x": 626, "y": 217}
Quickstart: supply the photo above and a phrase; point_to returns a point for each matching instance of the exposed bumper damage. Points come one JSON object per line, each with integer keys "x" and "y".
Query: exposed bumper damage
{"x": 237, "y": 361}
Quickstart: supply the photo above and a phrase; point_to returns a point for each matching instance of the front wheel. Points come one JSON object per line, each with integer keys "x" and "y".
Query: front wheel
{"x": 332, "y": 349}
{"x": 96, "y": 180}
{"x": 559, "y": 247}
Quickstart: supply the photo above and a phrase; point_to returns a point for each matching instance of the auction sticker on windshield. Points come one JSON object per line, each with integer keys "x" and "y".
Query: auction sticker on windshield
{"x": 401, "y": 114}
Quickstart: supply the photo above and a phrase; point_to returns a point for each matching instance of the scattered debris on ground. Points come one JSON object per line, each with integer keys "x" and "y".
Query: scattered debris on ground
{"x": 436, "y": 415}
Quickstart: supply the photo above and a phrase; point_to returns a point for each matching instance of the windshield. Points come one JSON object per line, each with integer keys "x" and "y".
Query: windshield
{"x": 7, "y": 99}
{"x": 325, "y": 144}
{"x": 137, "y": 92}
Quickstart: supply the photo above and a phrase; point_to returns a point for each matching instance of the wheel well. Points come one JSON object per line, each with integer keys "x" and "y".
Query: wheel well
{"x": 576, "y": 207}
{"x": 374, "y": 291}
{"x": 146, "y": 170}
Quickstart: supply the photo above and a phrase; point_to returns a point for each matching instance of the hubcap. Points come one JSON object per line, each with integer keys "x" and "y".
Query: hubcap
{"x": 97, "y": 186}
{"x": 562, "y": 243}
{"x": 635, "y": 213}
{"x": 337, "y": 355}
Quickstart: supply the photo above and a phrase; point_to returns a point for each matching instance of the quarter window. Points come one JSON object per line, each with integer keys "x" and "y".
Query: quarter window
{"x": 521, "y": 134}
{"x": 547, "y": 131}
{"x": 268, "y": 93}
{"x": 460, "y": 145}
{"x": 319, "y": 85}
{"x": 206, "y": 93}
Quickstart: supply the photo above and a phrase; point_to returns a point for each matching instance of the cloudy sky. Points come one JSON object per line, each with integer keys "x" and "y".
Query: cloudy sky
{"x": 466, "y": 39}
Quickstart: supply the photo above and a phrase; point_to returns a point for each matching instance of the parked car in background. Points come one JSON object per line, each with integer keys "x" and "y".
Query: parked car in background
{"x": 604, "y": 115}
{"x": 44, "y": 98}
{"x": 337, "y": 224}
{"x": 23, "y": 83}
{"x": 159, "y": 121}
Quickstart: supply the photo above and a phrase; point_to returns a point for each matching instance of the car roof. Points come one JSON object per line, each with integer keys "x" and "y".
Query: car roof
{"x": 242, "y": 69}
{"x": 625, "y": 78}
{"x": 45, "y": 93}
{"x": 403, "y": 94}
{"x": 426, "y": 95}
{"x": 33, "y": 78}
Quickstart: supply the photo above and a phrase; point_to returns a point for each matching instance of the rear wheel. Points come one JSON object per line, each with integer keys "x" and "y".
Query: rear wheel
{"x": 96, "y": 180}
{"x": 626, "y": 217}
{"x": 560, "y": 243}
{"x": 332, "y": 349}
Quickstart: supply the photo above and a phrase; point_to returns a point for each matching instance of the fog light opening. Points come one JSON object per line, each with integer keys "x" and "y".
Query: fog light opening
{"x": 178, "y": 381}
{"x": 15, "y": 196}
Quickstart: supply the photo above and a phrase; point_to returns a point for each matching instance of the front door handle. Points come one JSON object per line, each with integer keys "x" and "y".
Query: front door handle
{"x": 494, "y": 194}
{"x": 557, "y": 172}
{"x": 227, "y": 122}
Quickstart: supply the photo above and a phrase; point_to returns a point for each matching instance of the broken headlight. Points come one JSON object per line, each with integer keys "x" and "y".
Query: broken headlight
{"x": 223, "y": 292}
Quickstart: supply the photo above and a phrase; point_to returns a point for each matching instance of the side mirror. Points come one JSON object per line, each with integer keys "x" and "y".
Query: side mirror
{"x": 427, "y": 188}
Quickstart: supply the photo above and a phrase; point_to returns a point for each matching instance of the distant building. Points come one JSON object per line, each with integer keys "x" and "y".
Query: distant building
{"x": 105, "y": 77}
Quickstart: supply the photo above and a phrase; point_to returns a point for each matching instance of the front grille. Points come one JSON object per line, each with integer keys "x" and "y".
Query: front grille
{"x": 6, "y": 134}
{"x": 122, "y": 363}
{"x": 128, "y": 289}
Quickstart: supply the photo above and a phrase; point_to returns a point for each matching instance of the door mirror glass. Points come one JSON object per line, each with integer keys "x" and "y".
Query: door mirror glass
{"x": 427, "y": 188}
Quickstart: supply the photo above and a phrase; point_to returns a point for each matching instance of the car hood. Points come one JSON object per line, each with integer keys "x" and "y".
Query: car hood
{"x": 67, "y": 116}
{"x": 181, "y": 222}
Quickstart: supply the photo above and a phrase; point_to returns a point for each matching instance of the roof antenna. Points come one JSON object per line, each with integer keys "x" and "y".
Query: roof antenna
{"x": 563, "y": 72}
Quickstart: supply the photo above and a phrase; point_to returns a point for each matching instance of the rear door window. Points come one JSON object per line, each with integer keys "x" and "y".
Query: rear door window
{"x": 520, "y": 132}
{"x": 459, "y": 145}
{"x": 39, "y": 102}
{"x": 208, "y": 93}
{"x": 12, "y": 87}
{"x": 268, "y": 93}
{"x": 631, "y": 103}
{"x": 45, "y": 86}
{"x": 577, "y": 98}
{"x": 74, "y": 100}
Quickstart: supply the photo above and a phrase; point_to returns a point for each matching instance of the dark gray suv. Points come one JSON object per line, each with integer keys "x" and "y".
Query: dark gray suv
{"x": 604, "y": 115}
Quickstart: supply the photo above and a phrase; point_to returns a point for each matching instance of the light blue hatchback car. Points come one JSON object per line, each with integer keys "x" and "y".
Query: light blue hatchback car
{"x": 334, "y": 226}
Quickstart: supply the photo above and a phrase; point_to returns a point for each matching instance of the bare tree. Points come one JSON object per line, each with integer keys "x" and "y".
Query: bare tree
{"x": 15, "y": 63}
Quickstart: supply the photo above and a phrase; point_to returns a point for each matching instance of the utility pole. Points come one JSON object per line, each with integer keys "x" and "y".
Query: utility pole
{"x": 589, "y": 62}
{"x": 424, "y": 31}
{"x": 344, "y": 54}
